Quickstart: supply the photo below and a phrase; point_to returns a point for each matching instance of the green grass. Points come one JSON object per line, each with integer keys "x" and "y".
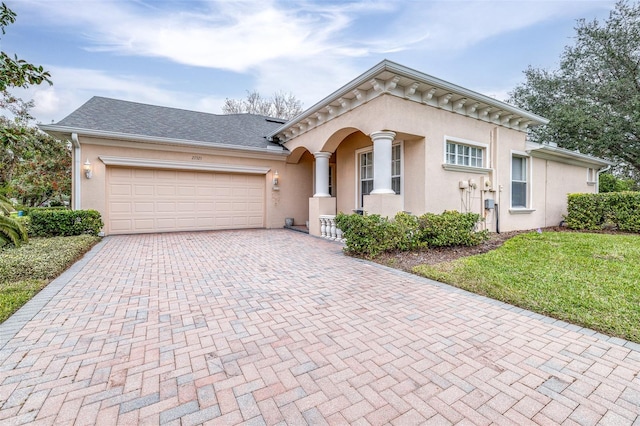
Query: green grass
{"x": 592, "y": 280}
{"x": 26, "y": 270}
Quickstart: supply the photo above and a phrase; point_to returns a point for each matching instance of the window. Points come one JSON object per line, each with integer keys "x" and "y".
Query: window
{"x": 518, "y": 182}
{"x": 464, "y": 155}
{"x": 331, "y": 183}
{"x": 366, "y": 175}
{"x": 592, "y": 176}
{"x": 396, "y": 168}
{"x": 365, "y": 164}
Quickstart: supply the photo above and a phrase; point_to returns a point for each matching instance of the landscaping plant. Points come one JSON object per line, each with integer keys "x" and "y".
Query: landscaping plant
{"x": 25, "y": 270}
{"x": 11, "y": 230}
{"x": 370, "y": 235}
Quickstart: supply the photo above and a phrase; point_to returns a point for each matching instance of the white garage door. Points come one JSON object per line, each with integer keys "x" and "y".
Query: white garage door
{"x": 150, "y": 200}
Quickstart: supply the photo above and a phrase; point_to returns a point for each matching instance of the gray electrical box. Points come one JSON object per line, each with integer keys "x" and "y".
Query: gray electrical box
{"x": 489, "y": 204}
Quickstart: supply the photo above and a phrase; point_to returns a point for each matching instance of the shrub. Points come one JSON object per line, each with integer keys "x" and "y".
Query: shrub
{"x": 600, "y": 211}
{"x": 62, "y": 222}
{"x": 11, "y": 230}
{"x": 365, "y": 235}
{"x": 451, "y": 228}
{"x": 43, "y": 258}
{"x": 371, "y": 235}
{"x": 611, "y": 183}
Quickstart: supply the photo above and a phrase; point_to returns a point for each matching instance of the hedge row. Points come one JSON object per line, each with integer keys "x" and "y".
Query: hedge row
{"x": 619, "y": 210}
{"x": 54, "y": 222}
{"x": 372, "y": 234}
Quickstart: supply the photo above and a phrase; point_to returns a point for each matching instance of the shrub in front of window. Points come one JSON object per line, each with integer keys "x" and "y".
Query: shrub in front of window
{"x": 371, "y": 235}
{"x": 451, "y": 228}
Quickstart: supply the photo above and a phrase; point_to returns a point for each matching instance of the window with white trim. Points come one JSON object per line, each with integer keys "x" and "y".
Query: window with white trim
{"x": 464, "y": 155}
{"x": 519, "y": 182}
{"x": 396, "y": 168}
{"x": 332, "y": 173}
{"x": 592, "y": 176}
{"x": 365, "y": 177}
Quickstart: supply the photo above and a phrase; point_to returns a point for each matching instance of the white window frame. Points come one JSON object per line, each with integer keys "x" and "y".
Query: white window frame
{"x": 529, "y": 183}
{"x": 332, "y": 179}
{"x": 359, "y": 198}
{"x": 465, "y": 143}
{"x": 399, "y": 147}
{"x": 592, "y": 176}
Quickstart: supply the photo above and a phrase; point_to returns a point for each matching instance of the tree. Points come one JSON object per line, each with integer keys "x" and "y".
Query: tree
{"x": 42, "y": 172}
{"x": 15, "y": 136}
{"x": 281, "y": 105}
{"x": 16, "y": 72}
{"x": 608, "y": 182}
{"x": 593, "y": 99}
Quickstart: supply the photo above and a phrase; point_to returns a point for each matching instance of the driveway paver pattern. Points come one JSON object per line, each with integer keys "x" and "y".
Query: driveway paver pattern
{"x": 277, "y": 327}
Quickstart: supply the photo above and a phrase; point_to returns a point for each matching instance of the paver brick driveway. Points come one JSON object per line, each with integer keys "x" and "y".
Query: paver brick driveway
{"x": 269, "y": 327}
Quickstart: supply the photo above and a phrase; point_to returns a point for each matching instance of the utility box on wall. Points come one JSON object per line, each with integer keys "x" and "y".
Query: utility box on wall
{"x": 489, "y": 204}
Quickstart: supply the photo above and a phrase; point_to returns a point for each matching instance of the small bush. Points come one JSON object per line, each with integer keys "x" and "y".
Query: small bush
{"x": 451, "y": 228}
{"x": 62, "y": 222}
{"x": 620, "y": 210}
{"x": 371, "y": 235}
{"x": 365, "y": 235}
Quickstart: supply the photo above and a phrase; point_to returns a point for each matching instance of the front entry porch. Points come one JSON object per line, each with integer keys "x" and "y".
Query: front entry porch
{"x": 374, "y": 196}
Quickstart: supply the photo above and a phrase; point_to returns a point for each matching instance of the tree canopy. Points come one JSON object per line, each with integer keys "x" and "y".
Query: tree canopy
{"x": 593, "y": 99}
{"x": 280, "y": 105}
{"x": 35, "y": 167}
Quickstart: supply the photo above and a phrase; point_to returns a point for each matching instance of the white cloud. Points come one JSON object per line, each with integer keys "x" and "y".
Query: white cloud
{"x": 225, "y": 35}
{"x": 74, "y": 86}
{"x": 309, "y": 48}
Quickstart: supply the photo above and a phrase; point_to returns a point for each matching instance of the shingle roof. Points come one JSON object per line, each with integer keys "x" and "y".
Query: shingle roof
{"x": 136, "y": 119}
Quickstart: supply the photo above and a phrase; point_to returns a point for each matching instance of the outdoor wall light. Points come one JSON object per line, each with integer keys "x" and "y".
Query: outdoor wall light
{"x": 87, "y": 169}
{"x": 275, "y": 178}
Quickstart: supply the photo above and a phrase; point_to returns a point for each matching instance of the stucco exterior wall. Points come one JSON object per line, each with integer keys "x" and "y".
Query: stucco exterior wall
{"x": 560, "y": 181}
{"x": 430, "y": 187}
{"x": 295, "y": 180}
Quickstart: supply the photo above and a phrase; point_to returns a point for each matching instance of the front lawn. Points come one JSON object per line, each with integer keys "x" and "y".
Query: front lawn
{"x": 592, "y": 280}
{"x": 26, "y": 270}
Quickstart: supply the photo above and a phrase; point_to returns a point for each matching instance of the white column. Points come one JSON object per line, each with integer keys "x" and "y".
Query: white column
{"x": 322, "y": 174}
{"x": 382, "y": 142}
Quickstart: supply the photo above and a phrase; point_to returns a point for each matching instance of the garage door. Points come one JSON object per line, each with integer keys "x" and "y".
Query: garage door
{"x": 150, "y": 200}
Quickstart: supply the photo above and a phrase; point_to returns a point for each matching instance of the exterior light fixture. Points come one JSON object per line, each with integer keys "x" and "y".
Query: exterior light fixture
{"x": 88, "y": 173}
{"x": 276, "y": 180}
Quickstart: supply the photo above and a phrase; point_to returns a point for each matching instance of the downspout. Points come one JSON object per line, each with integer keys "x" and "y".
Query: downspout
{"x": 606, "y": 169}
{"x": 76, "y": 171}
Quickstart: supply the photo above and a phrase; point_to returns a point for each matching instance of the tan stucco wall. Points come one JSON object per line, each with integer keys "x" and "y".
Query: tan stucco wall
{"x": 295, "y": 180}
{"x": 561, "y": 180}
{"x": 428, "y": 187}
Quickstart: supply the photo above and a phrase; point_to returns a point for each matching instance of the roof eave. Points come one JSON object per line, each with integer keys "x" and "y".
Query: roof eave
{"x": 67, "y": 131}
{"x": 392, "y": 67}
{"x": 554, "y": 152}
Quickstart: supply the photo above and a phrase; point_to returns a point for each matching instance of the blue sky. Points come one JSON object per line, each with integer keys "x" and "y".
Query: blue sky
{"x": 193, "y": 54}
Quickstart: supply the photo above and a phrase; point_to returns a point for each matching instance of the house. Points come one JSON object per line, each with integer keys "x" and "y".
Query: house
{"x": 393, "y": 139}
